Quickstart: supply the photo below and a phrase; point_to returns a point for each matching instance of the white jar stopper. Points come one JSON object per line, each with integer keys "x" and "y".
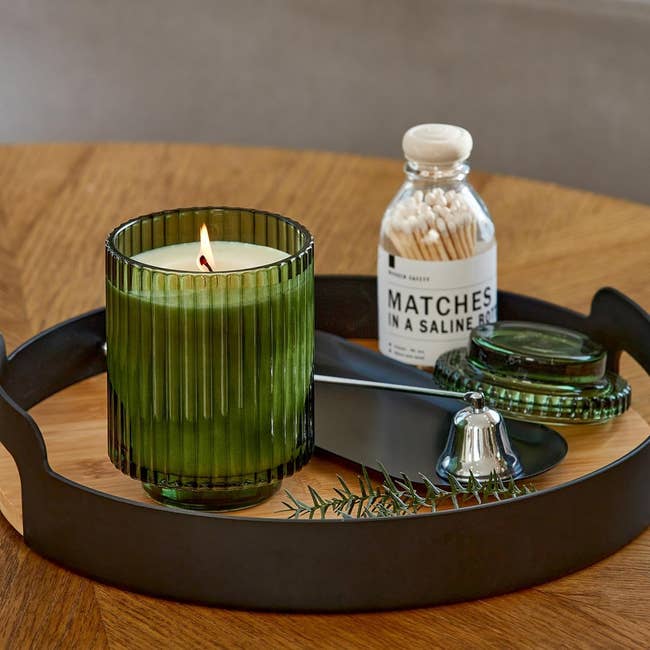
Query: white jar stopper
{"x": 437, "y": 144}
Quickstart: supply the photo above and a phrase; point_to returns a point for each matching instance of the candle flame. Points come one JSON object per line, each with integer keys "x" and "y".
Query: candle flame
{"x": 205, "y": 258}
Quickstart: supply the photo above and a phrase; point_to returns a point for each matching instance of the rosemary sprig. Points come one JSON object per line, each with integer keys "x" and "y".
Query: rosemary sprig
{"x": 394, "y": 498}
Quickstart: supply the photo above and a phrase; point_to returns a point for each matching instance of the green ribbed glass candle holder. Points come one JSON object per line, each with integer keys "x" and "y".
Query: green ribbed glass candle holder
{"x": 210, "y": 374}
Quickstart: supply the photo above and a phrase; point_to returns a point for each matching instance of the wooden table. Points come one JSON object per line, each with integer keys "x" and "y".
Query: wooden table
{"x": 57, "y": 202}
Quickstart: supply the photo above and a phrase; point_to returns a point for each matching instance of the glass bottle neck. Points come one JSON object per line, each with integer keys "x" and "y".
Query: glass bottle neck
{"x": 443, "y": 174}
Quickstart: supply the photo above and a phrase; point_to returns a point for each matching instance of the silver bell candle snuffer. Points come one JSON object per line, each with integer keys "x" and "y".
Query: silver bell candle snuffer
{"x": 478, "y": 444}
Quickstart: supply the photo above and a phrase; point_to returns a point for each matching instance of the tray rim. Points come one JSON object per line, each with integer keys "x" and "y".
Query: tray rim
{"x": 33, "y": 533}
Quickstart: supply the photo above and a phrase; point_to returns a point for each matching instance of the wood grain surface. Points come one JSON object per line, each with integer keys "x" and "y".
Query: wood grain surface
{"x": 57, "y": 202}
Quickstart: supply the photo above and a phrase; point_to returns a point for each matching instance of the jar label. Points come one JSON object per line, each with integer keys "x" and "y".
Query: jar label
{"x": 429, "y": 307}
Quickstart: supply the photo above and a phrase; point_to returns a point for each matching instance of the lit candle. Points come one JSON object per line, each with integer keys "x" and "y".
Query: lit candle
{"x": 210, "y": 373}
{"x": 210, "y": 255}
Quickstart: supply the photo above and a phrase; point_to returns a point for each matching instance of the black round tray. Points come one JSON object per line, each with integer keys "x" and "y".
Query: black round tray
{"x": 330, "y": 565}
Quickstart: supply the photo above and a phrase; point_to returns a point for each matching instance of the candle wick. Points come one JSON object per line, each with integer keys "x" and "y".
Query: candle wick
{"x": 204, "y": 262}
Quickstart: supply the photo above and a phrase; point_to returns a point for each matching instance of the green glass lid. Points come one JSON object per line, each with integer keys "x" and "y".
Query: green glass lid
{"x": 533, "y": 371}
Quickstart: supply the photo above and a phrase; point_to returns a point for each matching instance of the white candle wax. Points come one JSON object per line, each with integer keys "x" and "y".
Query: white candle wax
{"x": 228, "y": 256}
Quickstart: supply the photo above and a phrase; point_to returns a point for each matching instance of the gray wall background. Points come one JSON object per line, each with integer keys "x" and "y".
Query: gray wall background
{"x": 556, "y": 90}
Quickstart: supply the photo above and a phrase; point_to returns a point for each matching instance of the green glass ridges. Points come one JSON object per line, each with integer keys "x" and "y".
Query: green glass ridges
{"x": 210, "y": 374}
{"x": 536, "y": 372}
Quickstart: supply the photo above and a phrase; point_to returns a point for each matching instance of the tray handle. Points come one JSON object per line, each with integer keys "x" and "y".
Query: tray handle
{"x": 3, "y": 356}
{"x": 620, "y": 324}
{"x": 19, "y": 434}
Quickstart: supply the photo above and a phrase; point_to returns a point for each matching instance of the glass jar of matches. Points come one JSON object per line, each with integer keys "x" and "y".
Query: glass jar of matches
{"x": 437, "y": 257}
